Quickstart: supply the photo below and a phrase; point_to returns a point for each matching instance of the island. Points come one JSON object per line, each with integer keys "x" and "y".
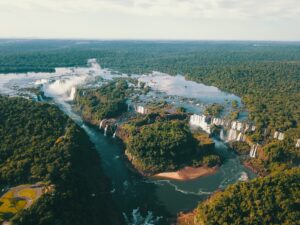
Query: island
{"x": 156, "y": 137}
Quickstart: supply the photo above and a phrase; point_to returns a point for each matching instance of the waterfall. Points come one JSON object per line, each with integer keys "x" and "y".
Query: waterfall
{"x": 114, "y": 135}
{"x": 200, "y": 121}
{"x": 239, "y": 126}
{"x": 232, "y": 135}
{"x": 234, "y": 125}
{"x": 240, "y": 137}
{"x": 105, "y": 130}
{"x": 101, "y": 123}
{"x": 253, "y": 150}
{"x": 278, "y": 135}
{"x": 222, "y": 136}
{"x": 254, "y": 153}
{"x": 217, "y": 121}
{"x": 128, "y": 107}
{"x": 298, "y": 143}
{"x": 72, "y": 94}
{"x": 141, "y": 110}
{"x": 281, "y": 136}
{"x": 246, "y": 128}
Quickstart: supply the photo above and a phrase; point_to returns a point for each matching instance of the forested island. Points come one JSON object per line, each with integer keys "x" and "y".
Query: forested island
{"x": 154, "y": 143}
{"x": 41, "y": 144}
{"x": 108, "y": 101}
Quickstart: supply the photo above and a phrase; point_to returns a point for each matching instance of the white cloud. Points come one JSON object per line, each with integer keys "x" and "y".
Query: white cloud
{"x": 167, "y": 19}
{"x": 268, "y": 9}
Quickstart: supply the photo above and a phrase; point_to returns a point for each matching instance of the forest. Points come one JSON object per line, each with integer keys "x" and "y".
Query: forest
{"x": 270, "y": 200}
{"x": 108, "y": 101}
{"x": 40, "y": 143}
{"x": 166, "y": 145}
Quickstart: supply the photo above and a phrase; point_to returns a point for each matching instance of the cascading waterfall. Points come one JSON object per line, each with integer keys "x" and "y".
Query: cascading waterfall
{"x": 278, "y": 135}
{"x": 105, "y": 130}
{"x": 239, "y": 126}
{"x": 253, "y": 150}
{"x": 200, "y": 121}
{"x": 234, "y": 125}
{"x": 222, "y": 136}
{"x": 232, "y": 135}
{"x": 114, "y": 135}
{"x": 240, "y": 137}
{"x": 72, "y": 94}
{"x": 298, "y": 143}
{"x": 247, "y": 127}
{"x": 101, "y": 123}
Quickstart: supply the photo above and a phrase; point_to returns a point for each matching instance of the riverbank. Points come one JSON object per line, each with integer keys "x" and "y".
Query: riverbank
{"x": 188, "y": 173}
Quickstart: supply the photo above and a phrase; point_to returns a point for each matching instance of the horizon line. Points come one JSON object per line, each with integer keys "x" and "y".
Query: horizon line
{"x": 146, "y": 39}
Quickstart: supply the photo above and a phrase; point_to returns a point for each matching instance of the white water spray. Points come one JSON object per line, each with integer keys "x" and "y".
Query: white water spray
{"x": 105, "y": 130}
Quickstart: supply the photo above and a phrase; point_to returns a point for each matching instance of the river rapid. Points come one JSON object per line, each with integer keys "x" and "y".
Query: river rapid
{"x": 142, "y": 200}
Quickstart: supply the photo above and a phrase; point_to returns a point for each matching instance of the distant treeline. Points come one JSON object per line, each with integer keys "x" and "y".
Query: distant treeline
{"x": 264, "y": 74}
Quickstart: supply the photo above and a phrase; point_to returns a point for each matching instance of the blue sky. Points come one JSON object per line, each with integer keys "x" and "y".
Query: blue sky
{"x": 151, "y": 19}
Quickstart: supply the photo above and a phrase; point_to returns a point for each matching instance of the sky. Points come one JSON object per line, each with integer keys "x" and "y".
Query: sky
{"x": 151, "y": 19}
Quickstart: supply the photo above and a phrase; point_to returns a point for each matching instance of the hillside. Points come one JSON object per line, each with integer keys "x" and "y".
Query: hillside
{"x": 270, "y": 200}
{"x": 39, "y": 143}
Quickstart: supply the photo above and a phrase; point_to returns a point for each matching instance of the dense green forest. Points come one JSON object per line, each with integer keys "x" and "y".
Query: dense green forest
{"x": 108, "y": 101}
{"x": 40, "y": 143}
{"x": 165, "y": 145}
{"x": 274, "y": 199}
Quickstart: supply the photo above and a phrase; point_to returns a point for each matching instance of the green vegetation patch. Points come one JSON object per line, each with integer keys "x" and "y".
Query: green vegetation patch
{"x": 274, "y": 199}
{"x": 164, "y": 145}
{"x": 30, "y": 152}
{"x": 108, "y": 101}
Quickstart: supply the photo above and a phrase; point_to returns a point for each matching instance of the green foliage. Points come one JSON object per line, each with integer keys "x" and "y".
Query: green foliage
{"x": 162, "y": 146}
{"x": 166, "y": 145}
{"x": 241, "y": 148}
{"x": 270, "y": 90}
{"x": 270, "y": 200}
{"x": 214, "y": 109}
{"x": 107, "y": 101}
{"x": 234, "y": 104}
{"x": 28, "y": 133}
{"x": 211, "y": 160}
{"x": 29, "y": 152}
